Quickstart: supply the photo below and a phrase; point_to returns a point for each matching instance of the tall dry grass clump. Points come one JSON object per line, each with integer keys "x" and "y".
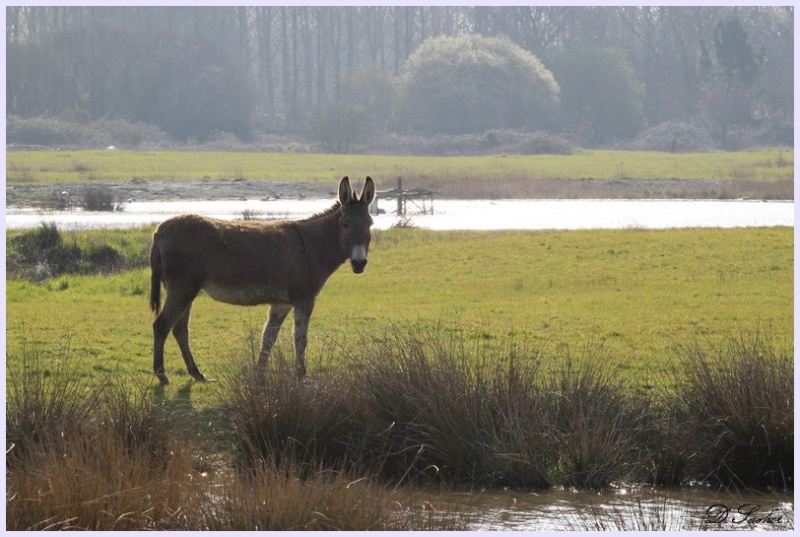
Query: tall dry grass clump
{"x": 483, "y": 414}
{"x": 44, "y": 400}
{"x": 596, "y": 420}
{"x": 737, "y": 402}
{"x": 85, "y": 458}
{"x": 277, "y": 418}
{"x": 287, "y": 497}
{"x": 437, "y": 405}
{"x": 115, "y": 458}
{"x": 448, "y": 410}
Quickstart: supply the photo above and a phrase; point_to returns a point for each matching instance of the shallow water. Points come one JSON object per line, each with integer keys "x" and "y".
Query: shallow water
{"x": 449, "y": 214}
{"x": 621, "y": 509}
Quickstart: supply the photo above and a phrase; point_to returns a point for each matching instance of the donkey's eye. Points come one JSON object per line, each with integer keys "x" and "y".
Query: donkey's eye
{"x": 344, "y": 223}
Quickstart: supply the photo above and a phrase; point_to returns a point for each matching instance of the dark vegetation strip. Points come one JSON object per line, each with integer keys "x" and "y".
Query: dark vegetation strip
{"x": 46, "y": 252}
{"x": 413, "y": 407}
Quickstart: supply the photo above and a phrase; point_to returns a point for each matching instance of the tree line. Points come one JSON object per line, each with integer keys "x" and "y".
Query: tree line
{"x": 196, "y": 72}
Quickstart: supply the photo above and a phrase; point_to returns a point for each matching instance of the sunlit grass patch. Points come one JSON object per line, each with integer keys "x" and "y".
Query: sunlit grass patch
{"x": 47, "y": 167}
{"x": 637, "y": 291}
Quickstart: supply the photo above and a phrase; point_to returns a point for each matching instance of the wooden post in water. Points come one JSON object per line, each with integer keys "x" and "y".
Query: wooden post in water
{"x": 401, "y": 209}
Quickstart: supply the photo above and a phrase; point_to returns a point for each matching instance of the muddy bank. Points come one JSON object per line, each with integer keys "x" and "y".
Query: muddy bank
{"x": 240, "y": 189}
{"x": 207, "y": 190}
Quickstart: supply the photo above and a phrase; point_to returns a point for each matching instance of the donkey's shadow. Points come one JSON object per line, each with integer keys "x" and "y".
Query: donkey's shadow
{"x": 204, "y": 424}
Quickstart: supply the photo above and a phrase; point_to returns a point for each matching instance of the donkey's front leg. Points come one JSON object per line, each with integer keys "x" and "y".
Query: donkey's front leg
{"x": 277, "y": 314}
{"x": 302, "y": 315}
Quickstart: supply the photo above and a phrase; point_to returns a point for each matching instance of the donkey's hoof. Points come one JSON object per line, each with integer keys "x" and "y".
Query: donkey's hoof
{"x": 163, "y": 379}
{"x": 308, "y": 382}
{"x": 203, "y": 378}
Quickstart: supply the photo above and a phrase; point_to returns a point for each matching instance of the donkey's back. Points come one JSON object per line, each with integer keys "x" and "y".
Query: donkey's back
{"x": 240, "y": 262}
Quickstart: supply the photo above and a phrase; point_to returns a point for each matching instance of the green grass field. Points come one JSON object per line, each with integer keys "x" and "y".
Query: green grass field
{"x": 47, "y": 167}
{"x": 638, "y": 293}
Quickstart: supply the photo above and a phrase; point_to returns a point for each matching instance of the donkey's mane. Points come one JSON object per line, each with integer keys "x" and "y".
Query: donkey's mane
{"x": 336, "y": 207}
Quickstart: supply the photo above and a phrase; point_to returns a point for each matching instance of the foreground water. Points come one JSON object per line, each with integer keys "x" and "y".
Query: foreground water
{"x": 620, "y": 509}
{"x": 448, "y": 214}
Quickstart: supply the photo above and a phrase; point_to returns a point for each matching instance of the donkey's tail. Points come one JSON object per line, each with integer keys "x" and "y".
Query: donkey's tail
{"x": 155, "y": 278}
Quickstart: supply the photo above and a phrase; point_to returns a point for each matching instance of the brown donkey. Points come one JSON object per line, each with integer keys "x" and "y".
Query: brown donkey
{"x": 284, "y": 264}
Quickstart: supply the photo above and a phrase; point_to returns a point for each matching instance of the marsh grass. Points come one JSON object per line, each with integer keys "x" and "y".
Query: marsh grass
{"x": 738, "y": 404}
{"x": 664, "y": 514}
{"x": 597, "y": 421}
{"x": 278, "y": 418}
{"x": 283, "y": 497}
{"x": 87, "y": 458}
{"x": 45, "y": 400}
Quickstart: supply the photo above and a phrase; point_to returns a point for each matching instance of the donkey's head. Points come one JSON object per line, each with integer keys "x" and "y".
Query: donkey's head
{"x": 355, "y": 222}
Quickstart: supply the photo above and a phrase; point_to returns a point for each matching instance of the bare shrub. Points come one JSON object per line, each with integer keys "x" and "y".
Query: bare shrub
{"x": 45, "y": 131}
{"x": 101, "y": 199}
{"x": 341, "y": 128}
{"x": 674, "y": 137}
{"x": 487, "y": 143}
{"x": 79, "y": 133}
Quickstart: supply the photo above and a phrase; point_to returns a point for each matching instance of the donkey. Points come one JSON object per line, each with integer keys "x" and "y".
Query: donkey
{"x": 284, "y": 264}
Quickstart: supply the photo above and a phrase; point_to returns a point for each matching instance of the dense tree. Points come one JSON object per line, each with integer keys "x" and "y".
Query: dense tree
{"x": 196, "y": 70}
{"x": 470, "y": 83}
{"x": 364, "y": 107}
{"x": 601, "y": 98}
{"x": 201, "y": 98}
{"x": 730, "y": 67}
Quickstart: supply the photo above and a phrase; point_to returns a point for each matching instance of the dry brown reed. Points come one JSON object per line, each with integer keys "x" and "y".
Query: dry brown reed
{"x": 114, "y": 458}
{"x": 737, "y": 400}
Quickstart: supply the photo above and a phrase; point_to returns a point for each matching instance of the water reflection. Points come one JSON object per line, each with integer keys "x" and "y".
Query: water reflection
{"x": 622, "y": 509}
{"x": 450, "y": 214}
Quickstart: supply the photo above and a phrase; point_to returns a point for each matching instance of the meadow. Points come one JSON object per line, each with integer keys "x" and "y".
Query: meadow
{"x": 48, "y": 167}
{"x": 638, "y": 293}
{"x": 458, "y": 359}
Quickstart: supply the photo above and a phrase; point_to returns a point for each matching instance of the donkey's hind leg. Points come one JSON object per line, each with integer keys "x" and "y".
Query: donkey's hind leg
{"x": 302, "y": 316}
{"x": 174, "y": 308}
{"x": 277, "y": 314}
{"x": 181, "y": 333}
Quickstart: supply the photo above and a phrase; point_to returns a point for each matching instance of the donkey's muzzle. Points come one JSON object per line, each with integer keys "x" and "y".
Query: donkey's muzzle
{"x": 358, "y": 259}
{"x": 358, "y": 265}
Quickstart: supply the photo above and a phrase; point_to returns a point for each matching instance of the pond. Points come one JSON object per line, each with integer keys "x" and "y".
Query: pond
{"x": 621, "y": 509}
{"x": 448, "y": 214}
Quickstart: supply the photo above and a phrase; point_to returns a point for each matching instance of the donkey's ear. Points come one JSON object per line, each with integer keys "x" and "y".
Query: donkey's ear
{"x": 345, "y": 191}
{"x": 368, "y": 192}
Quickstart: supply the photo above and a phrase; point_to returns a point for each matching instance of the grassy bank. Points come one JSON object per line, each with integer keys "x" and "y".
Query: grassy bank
{"x": 48, "y": 167}
{"x": 412, "y": 408}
